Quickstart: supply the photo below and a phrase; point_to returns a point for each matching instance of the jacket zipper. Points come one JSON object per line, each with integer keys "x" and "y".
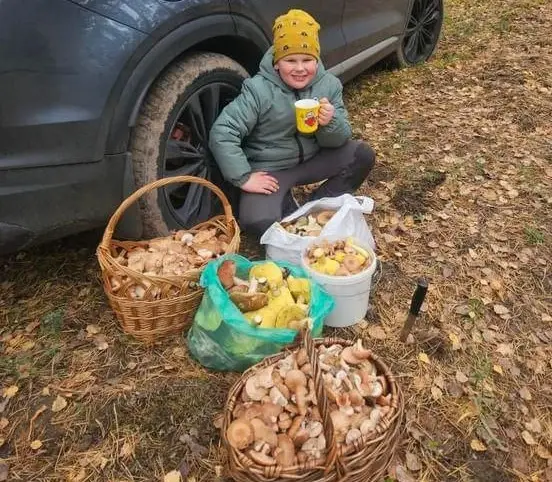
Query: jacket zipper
{"x": 299, "y": 145}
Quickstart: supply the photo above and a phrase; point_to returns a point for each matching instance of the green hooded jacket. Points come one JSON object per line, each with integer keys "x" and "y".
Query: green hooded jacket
{"x": 257, "y": 130}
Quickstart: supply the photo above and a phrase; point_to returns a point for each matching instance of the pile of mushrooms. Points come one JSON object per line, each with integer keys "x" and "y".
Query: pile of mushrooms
{"x": 270, "y": 298}
{"x": 169, "y": 256}
{"x": 277, "y": 420}
{"x": 339, "y": 258}
{"x": 310, "y": 225}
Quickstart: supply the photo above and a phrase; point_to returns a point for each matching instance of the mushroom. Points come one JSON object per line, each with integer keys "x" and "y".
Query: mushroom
{"x": 360, "y": 352}
{"x": 295, "y": 379}
{"x": 205, "y": 253}
{"x": 301, "y": 357}
{"x": 285, "y": 452}
{"x": 240, "y": 434}
{"x": 226, "y": 273}
{"x": 295, "y": 426}
{"x": 263, "y": 433}
{"x": 277, "y": 397}
{"x": 342, "y": 271}
{"x": 323, "y": 217}
{"x": 301, "y": 437}
{"x": 307, "y": 369}
{"x": 314, "y": 428}
{"x": 367, "y": 426}
{"x": 249, "y": 301}
{"x": 284, "y": 421}
{"x": 384, "y": 400}
{"x": 356, "y": 398}
{"x": 348, "y": 356}
{"x": 264, "y": 377}
{"x": 253, "y": 391}
{"x": 261, "y": 457}
{"x": 341, "y": 422}
{"x": 352, "y": 264}
{"x": 352, "y": 435}
{"x": 270, "y": 412}
{"x": 315, "y": 414}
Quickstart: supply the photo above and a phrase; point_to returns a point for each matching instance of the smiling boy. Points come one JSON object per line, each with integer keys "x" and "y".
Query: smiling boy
{"x": 255, "y": 140}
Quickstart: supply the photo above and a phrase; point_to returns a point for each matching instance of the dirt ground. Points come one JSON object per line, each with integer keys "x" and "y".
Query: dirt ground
{"x": 463, "y": 192}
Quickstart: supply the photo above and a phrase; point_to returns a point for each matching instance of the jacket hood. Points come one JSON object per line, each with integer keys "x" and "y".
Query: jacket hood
{"x": 268, "y": 71}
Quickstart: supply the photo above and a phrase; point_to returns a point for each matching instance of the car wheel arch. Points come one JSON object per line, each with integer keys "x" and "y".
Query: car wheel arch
{"x": 211, "y": 33}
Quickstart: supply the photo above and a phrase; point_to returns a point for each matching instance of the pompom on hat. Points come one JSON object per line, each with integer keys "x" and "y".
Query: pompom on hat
{"x": 295, "y": 32}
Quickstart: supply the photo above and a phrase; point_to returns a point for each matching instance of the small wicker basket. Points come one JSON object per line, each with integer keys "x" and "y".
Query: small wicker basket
{"x": 170, "y": 302}
{"x": 366, "y": 460}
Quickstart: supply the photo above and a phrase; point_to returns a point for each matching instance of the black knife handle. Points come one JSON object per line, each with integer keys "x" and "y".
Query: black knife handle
{"x": 419, "y": 296}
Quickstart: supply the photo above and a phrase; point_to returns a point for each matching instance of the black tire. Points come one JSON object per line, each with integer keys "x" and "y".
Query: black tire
{"x": 425, "y": 22}
{"x": 171, "y": 138}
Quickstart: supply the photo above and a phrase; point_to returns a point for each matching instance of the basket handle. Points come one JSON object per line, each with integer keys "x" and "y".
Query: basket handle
{"x": 332, "y": 458}
{"x": 110, "y": 228}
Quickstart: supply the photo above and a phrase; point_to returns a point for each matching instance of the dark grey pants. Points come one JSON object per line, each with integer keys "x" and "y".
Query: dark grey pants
{"x": 344, "y": 169}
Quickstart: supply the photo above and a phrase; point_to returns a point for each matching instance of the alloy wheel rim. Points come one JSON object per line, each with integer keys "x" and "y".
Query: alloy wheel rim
{"x": 422, "y": 30}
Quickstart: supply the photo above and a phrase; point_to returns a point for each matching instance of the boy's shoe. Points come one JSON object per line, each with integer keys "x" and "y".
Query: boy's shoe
{"x": 290, "y": 204}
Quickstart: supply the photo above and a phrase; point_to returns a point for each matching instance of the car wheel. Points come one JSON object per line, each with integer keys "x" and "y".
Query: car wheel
{"x": 171, "y": 139}
{"x": 421, "y": 34}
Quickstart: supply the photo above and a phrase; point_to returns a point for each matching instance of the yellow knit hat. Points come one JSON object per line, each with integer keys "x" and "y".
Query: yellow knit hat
{"x": 296, "y": 32}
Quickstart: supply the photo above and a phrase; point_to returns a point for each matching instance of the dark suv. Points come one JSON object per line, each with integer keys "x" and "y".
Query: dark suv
{"x": 98, "y": 97}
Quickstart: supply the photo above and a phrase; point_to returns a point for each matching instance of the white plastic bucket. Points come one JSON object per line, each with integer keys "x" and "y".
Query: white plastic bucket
{"x": 350, "y": 293}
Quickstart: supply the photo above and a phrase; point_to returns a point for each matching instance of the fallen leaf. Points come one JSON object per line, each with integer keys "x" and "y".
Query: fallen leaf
{"x": 534, "y": 426}
{"x": 101, "y": 342}
{"x": 455, "y": 389}
{"x": 2, "y": 441}
{"x": 4, "y": 422}
{"x": 505, "y": 349}
{"x": 59, "y": 404}
{"x": 461, "y": 377}
{"x": 402, "y": 475}
{"x": 498, "y": 369}
{"x": 543, "y": 453}
{"x": 32, "y": 326}
{"x": 412, "y": 462}
{"x": 45, "y": 392}
{"x": 93, "y": 329}
{"x": 4, "y": 471}
{"x": 28, "y": 345}
{"x": 132, "y": 365}
{"x": 36, "y": 444}
{"x": 528, "y": 438}
{"x": 10, "y": 391}
{"x": 77, "y": 476}
{"x": 433, "y": 244}
{"x": 546, "y": 318}
{"x": 525, "y": 393}
{"x": 172, "y": 476}
{"x": 477, "y": 445}
{"x": 179, "y": 352}
{"x": 377, "y": 333}
{"x": 456, "y": 345}
{"x": 423, "y": 358}
{"x": 127, "y": 450}
{"x": 463, "y": 310}
{"x": 436, "y": 393}
{"x": 500, "y": 309}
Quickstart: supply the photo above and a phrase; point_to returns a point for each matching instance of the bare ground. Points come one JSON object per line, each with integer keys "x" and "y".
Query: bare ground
{"x": 463, "y": 194}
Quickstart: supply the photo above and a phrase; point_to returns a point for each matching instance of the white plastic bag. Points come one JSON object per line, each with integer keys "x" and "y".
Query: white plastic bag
{"x": 348, "y": 221}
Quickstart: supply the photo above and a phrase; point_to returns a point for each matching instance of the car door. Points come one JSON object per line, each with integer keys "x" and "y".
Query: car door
{"x": 328, "y": 14}
{"x": 373, "y": 23}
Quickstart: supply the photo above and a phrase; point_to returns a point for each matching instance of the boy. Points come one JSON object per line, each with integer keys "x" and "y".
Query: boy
{"x": 255, "y": 140}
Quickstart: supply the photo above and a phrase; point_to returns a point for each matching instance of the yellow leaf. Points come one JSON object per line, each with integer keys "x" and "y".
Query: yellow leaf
{"x": 528, "y": 438}
{"x": 93, "y": 329}
{"x": 477, "y": 445}
{"x": 36, "y": 444}
{"x": 543, "y": 453}
{"x": 498, "y": 369}
{"x": 173, "y": 476}
{"x": 423, "y": 358}
{"x": 11, "y": 391}
{"x": 455, "y": 341}
{"x": 59, "y": 404}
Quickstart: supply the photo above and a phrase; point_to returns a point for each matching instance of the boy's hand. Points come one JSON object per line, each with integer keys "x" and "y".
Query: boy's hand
{"x": 326, "y": 113}
{"x": 261, "y": 183}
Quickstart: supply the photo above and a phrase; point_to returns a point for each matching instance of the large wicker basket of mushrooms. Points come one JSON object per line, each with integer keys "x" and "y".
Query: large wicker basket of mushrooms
{"x": 153, "y": 286}
{"x": 326, "y": 410}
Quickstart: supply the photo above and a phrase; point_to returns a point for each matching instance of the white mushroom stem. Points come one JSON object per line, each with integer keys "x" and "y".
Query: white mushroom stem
{"x": 253, "y": 285}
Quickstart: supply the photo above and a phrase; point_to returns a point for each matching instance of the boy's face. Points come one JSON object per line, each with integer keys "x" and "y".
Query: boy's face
{"x": 297, "y": 70}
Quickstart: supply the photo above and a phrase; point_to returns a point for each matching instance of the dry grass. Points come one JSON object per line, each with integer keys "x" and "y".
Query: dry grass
{"x": 463, "y": 195}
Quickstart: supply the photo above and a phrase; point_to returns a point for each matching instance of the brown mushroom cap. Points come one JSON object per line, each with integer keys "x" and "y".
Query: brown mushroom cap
{"x": 323, "y": 217}
{"x": 286, "y": 451}
{"x": 261, "y": 458}
{"x": 342, "y": 271}
{"x": 301, "y": 357}
{"x": 249, "y": 301}
{"x": 348, "y": 356}
{"x": 352, "y": 263}
{"x": 226, "y": 272}
{"x": 240, "y": 434}
{"x": 295, "y": 379}
{"x": 263, "y": 433}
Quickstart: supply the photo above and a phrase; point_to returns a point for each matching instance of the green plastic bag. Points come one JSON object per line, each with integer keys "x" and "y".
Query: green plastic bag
{"x": 222, "y": 339}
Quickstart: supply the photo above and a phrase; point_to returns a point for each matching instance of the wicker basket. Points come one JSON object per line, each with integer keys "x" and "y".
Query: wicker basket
{"x": 169, "y": 303}
{"x": 367, "y": 460}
